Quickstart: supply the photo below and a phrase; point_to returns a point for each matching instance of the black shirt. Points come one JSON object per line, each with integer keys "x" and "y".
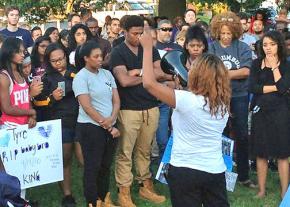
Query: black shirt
{"x": 168, "y": 46}
{"x": 134, "y": 97}
{"x": 65, "y": 109}
{"x": 118, "y": 41}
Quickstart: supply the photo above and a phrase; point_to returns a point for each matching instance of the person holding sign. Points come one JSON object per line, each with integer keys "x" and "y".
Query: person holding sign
{"x": 14, "y": 90}
{"x": 96, "y": 91}
{"x": 58, "y": 102}
{"x": 196, "y": 173}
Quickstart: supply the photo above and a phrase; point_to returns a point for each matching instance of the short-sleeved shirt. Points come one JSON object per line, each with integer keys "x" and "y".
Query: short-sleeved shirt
{"x": 22, "y": 34}
{"x": 237, "y": 55}
{"x": 168, "y": 46}
{"x": 197, "y": 135}
{"x": 99, "y": 86}
{"x": 133, "y": 97}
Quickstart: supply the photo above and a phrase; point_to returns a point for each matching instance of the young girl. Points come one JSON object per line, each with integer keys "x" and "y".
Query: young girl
{"x": 96, "y": 91}
{"x": 37, "y": 55}
{"x": 78, "y": 35}
{"x": 60, "y": 103}
{"x": 14, "y": 90}
{"x": 52, "y": 33}
{"x": 195, "y": 44}
{"x": 269, "y": 82}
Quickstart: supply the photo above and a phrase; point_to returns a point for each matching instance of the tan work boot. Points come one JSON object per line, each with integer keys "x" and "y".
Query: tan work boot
{"x": 124, "y": 197}
{"x": 99, "y": 204}
{"x": 108, "y": 202}
{"x": 147, "y": 192}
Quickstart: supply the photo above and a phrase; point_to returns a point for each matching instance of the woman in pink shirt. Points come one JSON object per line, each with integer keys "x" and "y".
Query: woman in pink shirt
{"x": 14, "y": 90}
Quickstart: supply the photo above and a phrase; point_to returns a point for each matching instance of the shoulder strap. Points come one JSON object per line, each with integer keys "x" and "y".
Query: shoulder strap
{"x": 10, "y": 79}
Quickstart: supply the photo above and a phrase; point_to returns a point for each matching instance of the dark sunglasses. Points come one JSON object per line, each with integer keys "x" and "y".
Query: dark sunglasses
{"x": 166, "y": 29}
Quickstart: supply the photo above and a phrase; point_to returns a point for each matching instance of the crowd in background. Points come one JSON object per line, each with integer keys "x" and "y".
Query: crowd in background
{"x": 91, "y": 78}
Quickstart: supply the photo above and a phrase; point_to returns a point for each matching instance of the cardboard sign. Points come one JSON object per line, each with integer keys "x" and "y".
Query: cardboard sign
{"x": 34, "y": 155}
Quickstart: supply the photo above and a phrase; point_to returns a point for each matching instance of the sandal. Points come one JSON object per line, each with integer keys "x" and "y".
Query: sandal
{"x": 249, "y": 184}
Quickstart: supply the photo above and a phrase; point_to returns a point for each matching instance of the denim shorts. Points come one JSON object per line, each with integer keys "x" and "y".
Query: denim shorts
{"x": 68, "y": 135}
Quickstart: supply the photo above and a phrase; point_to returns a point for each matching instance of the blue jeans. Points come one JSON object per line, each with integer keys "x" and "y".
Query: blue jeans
{"x": 239, "y": 125}
{"x": 162, "y": 131}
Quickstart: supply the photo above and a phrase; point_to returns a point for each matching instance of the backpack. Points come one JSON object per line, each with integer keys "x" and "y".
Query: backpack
{"x": 10, "y": 191}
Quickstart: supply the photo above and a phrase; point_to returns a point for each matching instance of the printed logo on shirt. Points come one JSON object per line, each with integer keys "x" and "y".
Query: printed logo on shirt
{"x": 19, "y": 37}
{"x": 230, "y": 62}
{"x": 21, "y": 97}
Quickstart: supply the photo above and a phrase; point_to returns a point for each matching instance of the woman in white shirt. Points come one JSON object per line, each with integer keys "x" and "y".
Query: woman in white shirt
{"x": 196, "y": 174}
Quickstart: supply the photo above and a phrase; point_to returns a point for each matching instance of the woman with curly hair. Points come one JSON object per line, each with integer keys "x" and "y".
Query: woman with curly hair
{"x": 79, "y": 34}
{"x": 196, "y": 172}
{"x": 226, "y": 30}
{"x": 270, "y": 83}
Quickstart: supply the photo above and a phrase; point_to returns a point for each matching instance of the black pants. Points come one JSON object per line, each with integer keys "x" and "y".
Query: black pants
{"x": 194, "y": 188}
{"x": 239, "y": 122}
{"x": 98, "y": 147}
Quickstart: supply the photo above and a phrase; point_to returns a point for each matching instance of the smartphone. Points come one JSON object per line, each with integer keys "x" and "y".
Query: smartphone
{"x": 61, "y": 85}
{"x": 37, "y": 79}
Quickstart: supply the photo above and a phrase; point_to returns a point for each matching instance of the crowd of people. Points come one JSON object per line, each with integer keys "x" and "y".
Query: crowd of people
{"x": 115, "y": 102}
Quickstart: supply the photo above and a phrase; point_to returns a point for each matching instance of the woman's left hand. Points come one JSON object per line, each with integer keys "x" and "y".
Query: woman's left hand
{"x": 35, "y": 88}
{"x": 146, "y": 39}
{"x": 273, "y": 61}
{"x": 107, "y": 123}
{"x": 31, "y": 122}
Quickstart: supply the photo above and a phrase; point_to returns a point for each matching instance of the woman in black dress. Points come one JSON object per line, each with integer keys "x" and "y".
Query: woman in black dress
{"x": 270, "y": 82}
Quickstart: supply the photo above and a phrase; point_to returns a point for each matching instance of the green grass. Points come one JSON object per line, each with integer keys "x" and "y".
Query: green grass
{"x": 50, "y": 195}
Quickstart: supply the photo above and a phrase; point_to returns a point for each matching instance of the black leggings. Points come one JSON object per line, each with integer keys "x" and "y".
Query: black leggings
{"x": 194, "y": 188}
{"x": 98, "y": 148}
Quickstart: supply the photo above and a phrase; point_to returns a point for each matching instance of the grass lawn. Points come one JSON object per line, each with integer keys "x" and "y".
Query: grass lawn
{"x": 50, "y": 195}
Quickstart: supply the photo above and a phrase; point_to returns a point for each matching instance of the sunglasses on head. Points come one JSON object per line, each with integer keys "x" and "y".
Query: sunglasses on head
{"x": 166, "y": 29}
{"x": 223, "y": 19}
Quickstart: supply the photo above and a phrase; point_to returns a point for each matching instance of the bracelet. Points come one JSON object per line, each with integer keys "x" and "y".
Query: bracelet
{"x": 141, "y": 73}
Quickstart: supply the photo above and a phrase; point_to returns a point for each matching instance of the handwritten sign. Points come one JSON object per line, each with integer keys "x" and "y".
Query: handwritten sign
{"x": 162, "y": 172}
{"x": 34, "y": 155}
{"x": 286, "y": 200}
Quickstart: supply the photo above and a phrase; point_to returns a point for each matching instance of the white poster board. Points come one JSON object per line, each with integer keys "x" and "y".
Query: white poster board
{"x": 33, "y": 155}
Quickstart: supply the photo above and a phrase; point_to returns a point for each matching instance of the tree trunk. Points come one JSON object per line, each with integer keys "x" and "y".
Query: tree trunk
{"x": 171, "y": 8}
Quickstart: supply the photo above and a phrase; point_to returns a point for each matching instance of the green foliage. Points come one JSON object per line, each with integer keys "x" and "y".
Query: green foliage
{"x": 101, "y": 4}
{"x": 233, "y": 4}
{"x": 36, "y": 11}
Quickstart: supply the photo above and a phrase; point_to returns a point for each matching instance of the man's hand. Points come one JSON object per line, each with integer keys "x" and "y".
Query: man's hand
{"x": 115, "y": 132}
{"x": 134, "y": 72}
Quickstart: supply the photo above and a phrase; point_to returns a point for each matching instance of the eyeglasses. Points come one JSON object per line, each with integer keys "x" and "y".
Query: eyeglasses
{"x": 224, "y": 19}
{"x": 58, "y": 60}
{"x": 166, "y": 29}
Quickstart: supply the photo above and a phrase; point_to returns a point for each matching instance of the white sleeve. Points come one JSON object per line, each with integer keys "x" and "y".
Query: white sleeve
{"x": 72, "y": 58}
{"x": 181, "y": 98}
